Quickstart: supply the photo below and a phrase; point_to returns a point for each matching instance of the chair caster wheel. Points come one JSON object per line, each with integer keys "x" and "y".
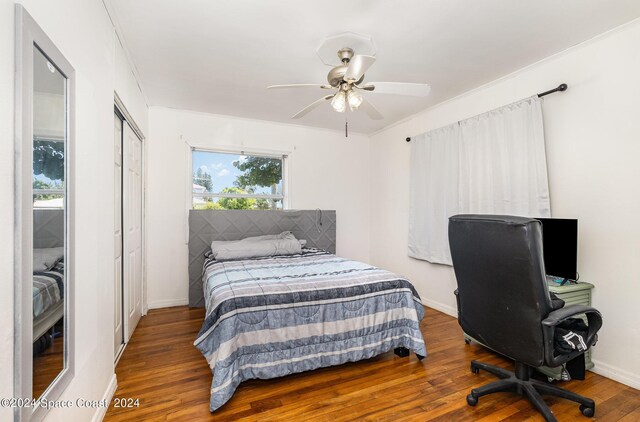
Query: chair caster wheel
{"x": 472, "y": 401}
{"x": 474, "y": 369}
{"x": 467, "y": 341}
{"x": 586, "y": 411}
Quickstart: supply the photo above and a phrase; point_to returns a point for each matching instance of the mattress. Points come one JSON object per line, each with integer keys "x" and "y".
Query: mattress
{"x": 270, "y": 317}
{"x": 48, "y": 289}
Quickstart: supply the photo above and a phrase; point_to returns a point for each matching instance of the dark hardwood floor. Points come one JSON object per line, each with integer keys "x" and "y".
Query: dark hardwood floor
{"x": 170, "y": 377}
{"x": 47, "y": 365}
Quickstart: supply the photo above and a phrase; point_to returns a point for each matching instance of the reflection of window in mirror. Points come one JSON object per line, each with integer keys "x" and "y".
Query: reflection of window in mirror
{"x": 48, "y": 133}
{"x": 49, "y": 119}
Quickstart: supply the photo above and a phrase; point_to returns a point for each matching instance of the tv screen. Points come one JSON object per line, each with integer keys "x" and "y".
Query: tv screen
{"x": 560, "y": 244}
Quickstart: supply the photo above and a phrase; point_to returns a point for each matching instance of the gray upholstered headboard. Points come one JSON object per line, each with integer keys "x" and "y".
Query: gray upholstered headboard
{"x": 48, "y": 228}
{"x": 316, "y": 226}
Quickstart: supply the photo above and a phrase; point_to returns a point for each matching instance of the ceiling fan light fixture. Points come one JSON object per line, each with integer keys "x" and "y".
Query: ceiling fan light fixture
{"x": 354, "y": 99}
{"x": 339, "y": 102}
{"x": 346, "y": 80}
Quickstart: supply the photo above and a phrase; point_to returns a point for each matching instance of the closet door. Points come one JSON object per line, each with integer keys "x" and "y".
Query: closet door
{"x": 118, "y": 239}
{"x": 132, "y": 212}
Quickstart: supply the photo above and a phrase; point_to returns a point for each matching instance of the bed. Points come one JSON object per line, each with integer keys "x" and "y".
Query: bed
{"x": 48, "y": 283}
{"x": 268, "y": 317}
{"x": 48, "y": 299}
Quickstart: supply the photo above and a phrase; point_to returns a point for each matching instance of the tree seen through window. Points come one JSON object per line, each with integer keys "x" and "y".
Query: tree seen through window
{"x": 235, "y": 181}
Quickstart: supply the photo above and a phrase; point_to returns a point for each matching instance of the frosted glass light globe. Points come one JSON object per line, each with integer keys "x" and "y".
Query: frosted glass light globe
{"x": 339, "y": 102}
{"x": 354, "y": 99}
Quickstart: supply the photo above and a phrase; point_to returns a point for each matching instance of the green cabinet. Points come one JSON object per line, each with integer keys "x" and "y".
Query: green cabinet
{"x": 572, "y": 294}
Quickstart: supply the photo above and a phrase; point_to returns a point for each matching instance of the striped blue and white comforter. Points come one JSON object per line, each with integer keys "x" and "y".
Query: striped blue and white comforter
{"x": 270, "y": 317}
{"x": 48, "y": 288}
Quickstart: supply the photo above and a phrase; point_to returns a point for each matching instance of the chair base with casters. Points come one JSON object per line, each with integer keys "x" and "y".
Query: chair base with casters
{"x": 521, "y": 383}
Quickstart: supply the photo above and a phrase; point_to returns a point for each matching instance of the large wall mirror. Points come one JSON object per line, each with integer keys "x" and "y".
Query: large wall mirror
{"x": 44, "y": 281}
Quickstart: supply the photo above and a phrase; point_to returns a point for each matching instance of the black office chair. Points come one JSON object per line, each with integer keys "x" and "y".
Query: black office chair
{"x": 504, "y": 303}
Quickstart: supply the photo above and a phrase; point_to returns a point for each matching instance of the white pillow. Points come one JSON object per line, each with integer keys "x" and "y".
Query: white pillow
{"x": 284, "y": 235}
{"x": 44, "y": 259}
{"x": 254, "y": 249}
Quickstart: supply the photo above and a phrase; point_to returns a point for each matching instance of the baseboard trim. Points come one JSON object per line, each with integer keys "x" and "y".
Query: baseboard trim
{"x": 616, "y": 374}
{"x": 107, "y": 397}
{"x": 167, "y": 303}
{"x": 451, "y": 311}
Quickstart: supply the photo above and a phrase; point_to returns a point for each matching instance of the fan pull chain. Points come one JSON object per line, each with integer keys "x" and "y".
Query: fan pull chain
{"x": 346, "y": 125}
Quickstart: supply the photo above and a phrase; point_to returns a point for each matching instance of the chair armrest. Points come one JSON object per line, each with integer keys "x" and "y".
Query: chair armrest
{"x": 594, "y": 322}
{"x": 559, "y": 315}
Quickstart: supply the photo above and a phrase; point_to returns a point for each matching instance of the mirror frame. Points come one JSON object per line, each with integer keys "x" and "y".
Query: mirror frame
{"x": 27, "y": 37}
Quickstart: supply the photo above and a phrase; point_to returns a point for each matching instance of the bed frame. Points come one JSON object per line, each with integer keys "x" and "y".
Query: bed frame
{"x": 318, "y": 227}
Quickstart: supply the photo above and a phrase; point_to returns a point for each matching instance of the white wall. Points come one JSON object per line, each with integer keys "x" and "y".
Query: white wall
{"x": 87, "y": 39}
{"x": 326, "y": 171}
{"x": 593, "y": 147}
{"x": 128, "y": 89}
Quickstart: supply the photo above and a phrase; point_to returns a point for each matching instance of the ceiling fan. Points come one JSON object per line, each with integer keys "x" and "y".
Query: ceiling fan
{"x": 348, "y": 80}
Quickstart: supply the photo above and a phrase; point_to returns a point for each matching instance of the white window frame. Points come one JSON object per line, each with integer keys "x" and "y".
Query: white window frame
{"x": 284, "y": 156}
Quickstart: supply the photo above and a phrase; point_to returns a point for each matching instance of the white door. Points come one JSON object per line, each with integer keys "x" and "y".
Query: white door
{"x": 132, "y": 212}
{"x": 117, "y": 279}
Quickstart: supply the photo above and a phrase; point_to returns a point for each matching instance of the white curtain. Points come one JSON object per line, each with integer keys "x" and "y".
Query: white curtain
{"x": 434, "y": 192}
{"x": 493, "y": 163}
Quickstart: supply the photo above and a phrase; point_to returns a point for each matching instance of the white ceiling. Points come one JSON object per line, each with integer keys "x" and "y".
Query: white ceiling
{"x": 44, "y": 80}
{"x": 218, "y": 56}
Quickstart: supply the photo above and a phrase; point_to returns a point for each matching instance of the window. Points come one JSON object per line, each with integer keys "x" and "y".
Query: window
{"x": 229, "y": 181}
{"x": 48, "y": 173}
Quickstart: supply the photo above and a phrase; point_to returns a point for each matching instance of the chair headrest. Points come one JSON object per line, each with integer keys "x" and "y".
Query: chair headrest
{"x": 506, "y": 219}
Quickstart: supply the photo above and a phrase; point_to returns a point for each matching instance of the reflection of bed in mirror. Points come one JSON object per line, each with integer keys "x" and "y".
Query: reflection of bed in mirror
{"x": 47, "y": 290}
{"x": 48, "y": 296}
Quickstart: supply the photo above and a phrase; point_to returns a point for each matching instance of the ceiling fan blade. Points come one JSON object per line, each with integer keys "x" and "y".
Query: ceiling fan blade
{"x": 371, "y": 111}
{"x": 357, "y": 66}
{"x": 311, "y": 106}
{"x": 300, "y": 86}
{"x": 398, "y": 88}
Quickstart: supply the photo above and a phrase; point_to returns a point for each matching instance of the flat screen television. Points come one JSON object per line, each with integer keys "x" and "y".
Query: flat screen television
{"x": 560, "y": 245}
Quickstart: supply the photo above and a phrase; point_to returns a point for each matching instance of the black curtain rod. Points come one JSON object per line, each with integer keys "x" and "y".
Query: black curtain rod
{"x": 560, "y": 88}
